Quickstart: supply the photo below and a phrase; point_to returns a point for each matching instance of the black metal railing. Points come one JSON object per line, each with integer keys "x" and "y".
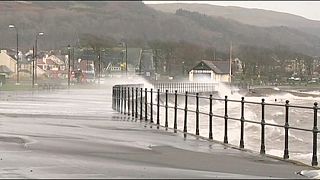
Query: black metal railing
{"x": 185, "y": 86}
{"x": 120, "y": 95}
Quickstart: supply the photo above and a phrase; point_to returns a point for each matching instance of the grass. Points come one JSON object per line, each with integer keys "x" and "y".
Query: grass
{"x": 14, "y": 87}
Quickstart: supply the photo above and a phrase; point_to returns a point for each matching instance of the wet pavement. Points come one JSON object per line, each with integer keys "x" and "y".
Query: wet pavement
{"x": 76, "y": 134}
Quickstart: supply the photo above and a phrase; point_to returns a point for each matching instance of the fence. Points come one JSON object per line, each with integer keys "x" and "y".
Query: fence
{"x": 135, "y": 95}
{"x": 185, "y": 86}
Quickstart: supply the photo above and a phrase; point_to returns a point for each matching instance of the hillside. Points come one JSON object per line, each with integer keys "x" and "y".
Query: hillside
{"x": 73, "y": 22}
{"x": 251, "y": 16}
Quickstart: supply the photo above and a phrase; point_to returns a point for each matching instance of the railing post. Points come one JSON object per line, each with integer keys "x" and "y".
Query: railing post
{"x": 175, "y": 111}
{"x": 151, "y": 105}
{"x": 263, "y": 148}
{"x": 121, "y": 109}
{"x": 129, "y": 101}
{"x": 132, "y": 93}
{"x": 166, "y": 106}
{"x": 146, "y": 104}
{"x": 197, "y": 114}
{"x": 136, "y": 103}
{"x": 210, "y": 117}
{"x": 315, "y": 133}
{"x": 158, "y": 108}
{"x": 225, "y": 140}
{"x": 118, "y": 98}
{"x": 185, "y": 113}
{"x": 113, "y": 97}
{"x": 125, "y": 100}
{"x": 141, "y": 95}
{"x": 286, "y": 129}
{"x": 242, "y": 123}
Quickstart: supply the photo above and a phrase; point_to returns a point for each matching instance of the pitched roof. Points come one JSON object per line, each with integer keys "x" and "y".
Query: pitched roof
{"x": 219, "y": 67}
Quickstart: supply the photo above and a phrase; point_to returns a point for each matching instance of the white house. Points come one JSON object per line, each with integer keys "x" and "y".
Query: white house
{"x": 8, "y": 61}
{"x": 210, "y": 71}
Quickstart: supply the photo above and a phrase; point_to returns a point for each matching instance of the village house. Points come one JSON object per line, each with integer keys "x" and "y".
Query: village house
{"x": 52, "y": 67}
{"x": 8, "y": 64}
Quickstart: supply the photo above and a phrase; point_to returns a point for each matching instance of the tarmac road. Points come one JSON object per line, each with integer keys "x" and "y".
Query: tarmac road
{"x": 76, "y": 134}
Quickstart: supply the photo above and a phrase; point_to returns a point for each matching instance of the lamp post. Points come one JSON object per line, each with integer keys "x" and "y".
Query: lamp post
{"x": 69, "y": 48}
{"x": 13, "y": 26}
{"x": 125, "y": 44}
{"x": 99, "y": 67}
{"x": 72, "y": 58}
{"x": 183, "y": 68}
{"x": 33, "y": 57}
{"x": 35, "y": 60}
{"x": 126, "y": 59}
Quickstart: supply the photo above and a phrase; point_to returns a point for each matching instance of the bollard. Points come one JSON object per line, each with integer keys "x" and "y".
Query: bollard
{"x": 141, "y": 104}
{"x": 175, "y": 111}
{"x": 151, "y": 105}
{"x": 286, "y": 128}
{"x": 263, "y": 148}
{"x": 136, "y": 103}
{"x": 225, "y": 139}
{"x": 242, "y": 123}
{"x": 185, "y": 113}
{"x": 166, "y": 106}
{"x": 129, "y": 101}
{"x": 315, "y": 132}
{"x": 197, "y": 114}
{"x": 132, "y": 93}
{"x": 210, "y": 117}
{"x": 146, "y": 104}
{"x": 158, "y": 108}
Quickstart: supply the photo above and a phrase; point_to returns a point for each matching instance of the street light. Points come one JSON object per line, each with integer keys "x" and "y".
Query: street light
{"x": 69, "y": 48}
{"x": 125, "y": 43}
{"x": 13, "y": 26}
{"x": 183, "y": 68}
{"x": 35, "y": 60}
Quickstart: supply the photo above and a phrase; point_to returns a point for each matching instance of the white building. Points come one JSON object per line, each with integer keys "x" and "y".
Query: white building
{"x": 210, "y": 71}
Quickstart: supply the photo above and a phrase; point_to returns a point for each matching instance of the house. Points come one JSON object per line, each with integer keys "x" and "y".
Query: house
{"x": 8, "y": 61}
{"x": 210, "y": 71}
{"x": 51, "y": 66}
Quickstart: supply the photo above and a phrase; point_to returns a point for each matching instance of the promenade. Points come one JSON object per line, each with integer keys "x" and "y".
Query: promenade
{"x": 76, "y": 134}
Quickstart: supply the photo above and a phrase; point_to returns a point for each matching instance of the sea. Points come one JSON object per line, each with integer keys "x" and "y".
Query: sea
{"x": 300, "y": 142}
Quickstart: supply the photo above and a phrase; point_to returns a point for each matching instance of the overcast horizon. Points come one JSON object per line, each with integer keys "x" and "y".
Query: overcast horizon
{"x": 306, "y": 9}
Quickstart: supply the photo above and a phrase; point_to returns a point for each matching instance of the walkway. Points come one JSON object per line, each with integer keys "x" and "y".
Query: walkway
{"x": 76, "y": 134}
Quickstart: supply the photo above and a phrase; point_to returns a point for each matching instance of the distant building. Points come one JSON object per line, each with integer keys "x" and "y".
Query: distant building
{"x": 210, "y": 71}
{"x": 8, "y": 61}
